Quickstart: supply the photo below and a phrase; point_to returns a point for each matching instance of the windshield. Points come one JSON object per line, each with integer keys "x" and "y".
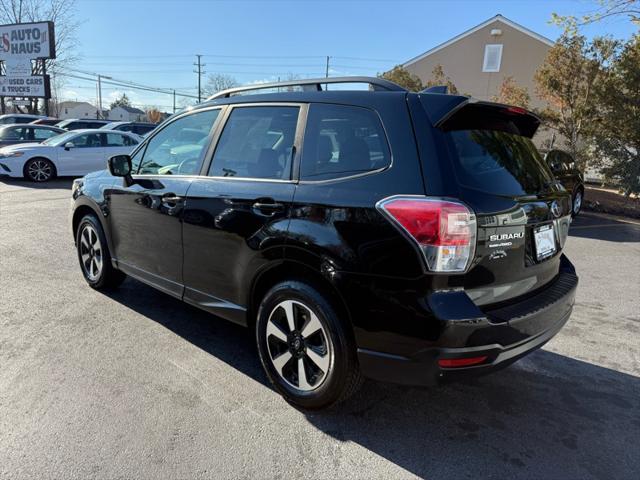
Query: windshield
{"x": 59, "y": 139}
{"x": 499, "y": 162}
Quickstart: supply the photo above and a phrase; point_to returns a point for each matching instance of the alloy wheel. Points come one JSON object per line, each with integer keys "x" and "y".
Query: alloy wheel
{"x": 299, "y": 346}
{"x": 577, "y": 203}
{"x": 39, "y": 170}
{"x": 90, "y": 253}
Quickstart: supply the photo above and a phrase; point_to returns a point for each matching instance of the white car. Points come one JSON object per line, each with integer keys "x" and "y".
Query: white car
{"x": 74, "y": 153}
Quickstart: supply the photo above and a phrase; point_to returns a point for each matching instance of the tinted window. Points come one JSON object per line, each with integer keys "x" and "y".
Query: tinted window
{"x": 177, "y": 148}
{"x": 87, "y": 140}
{"x": 340, "y": 141}
{"x": 11, "y": 133}
{"x": 142, "y": 129}
{"x": 116, "y": 140}
{"x": 498, "y": 162}
{"x": 24, "y": 120}
{"x": 257, "y": 142}
{"x": 40, "y": 134}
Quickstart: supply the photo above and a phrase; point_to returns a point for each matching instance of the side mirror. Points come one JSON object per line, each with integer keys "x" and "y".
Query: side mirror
{"x": 69, "y": 145}
{"x": 120, "y": 166}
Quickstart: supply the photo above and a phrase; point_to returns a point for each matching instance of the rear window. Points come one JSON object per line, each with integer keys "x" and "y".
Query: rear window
{"x": 498, "y": 162}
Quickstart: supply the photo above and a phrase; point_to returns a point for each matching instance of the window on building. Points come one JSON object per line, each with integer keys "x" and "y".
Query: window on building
{"x": 492, "y": 58}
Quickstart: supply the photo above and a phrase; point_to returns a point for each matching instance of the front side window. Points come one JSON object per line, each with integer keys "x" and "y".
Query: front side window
{"x": 178, "y": 147}
{"x": 257, "y": 142}
{"x": 341, "y": 141}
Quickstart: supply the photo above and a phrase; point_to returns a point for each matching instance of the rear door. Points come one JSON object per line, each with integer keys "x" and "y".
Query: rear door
{"x": 236, "y": 217}
{"x": 523, "y": 213}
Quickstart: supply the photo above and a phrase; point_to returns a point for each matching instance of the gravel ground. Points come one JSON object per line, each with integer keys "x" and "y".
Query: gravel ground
{"x": 135, "y": 384}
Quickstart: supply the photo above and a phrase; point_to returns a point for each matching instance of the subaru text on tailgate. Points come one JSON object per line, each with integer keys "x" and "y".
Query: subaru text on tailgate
{"x": 404, "y": 237}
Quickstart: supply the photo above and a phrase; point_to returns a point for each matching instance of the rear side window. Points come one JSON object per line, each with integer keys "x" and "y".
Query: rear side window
{"x": 342, "y": 140}
{"x": 257, "y": 142}
{"x": 498, "y": 162}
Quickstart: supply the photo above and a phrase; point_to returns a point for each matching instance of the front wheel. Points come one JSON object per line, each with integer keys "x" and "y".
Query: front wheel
{"x": 94, "y": 256}
{"x": 39, "y": 170}
{"x": 306, "y": 350}
{"x": 577, "y": 202}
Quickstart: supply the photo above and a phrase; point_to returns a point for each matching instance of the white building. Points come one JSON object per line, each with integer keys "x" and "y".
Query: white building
{"x": 76, "y": 110}
{"x": 126, "y": 114}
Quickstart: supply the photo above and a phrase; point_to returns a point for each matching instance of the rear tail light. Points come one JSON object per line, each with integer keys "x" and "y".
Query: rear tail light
{"x": 461, "y": 362}
{"x": 444, "y": 230}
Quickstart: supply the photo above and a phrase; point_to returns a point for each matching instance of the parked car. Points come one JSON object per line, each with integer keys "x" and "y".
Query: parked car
{"x": 405, "y": 237}
{"x": 71, "y": 153}
{"x": 11, "y": 118}
{"x": 26, "y": 133}
{"x": 139, "y": 128}
{"x": 47, "y": 121}
{"x": 564, "y": 169}
{"x": 77, "y": 124}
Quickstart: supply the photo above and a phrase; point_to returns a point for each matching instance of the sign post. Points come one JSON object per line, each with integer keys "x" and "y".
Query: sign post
{"x": 20, "y": 45}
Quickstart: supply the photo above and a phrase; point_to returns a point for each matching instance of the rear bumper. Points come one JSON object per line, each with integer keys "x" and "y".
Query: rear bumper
{"x": 502, "y": 335}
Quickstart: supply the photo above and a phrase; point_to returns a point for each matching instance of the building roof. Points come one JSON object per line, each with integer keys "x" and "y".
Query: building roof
{"x": 130, "y": 109}
{"x": 73, "y": 104}
{"x": 498, "y": 18}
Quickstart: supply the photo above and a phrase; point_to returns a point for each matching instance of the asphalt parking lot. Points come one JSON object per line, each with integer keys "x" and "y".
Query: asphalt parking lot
{"x": 135, "y": 384}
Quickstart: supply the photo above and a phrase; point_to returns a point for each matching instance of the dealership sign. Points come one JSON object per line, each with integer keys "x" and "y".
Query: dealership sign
{"x": 31, "y": 86}
{"x": 27, "y": 40}
{"x": 21, "y": 43}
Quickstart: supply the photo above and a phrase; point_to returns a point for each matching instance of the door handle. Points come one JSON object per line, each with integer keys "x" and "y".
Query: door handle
{"x": 171, "y": 199}
{"x": 267, "y": 207}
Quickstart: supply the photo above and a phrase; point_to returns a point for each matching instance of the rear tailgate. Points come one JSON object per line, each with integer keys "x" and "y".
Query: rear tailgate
{"x": 522, "y": 213}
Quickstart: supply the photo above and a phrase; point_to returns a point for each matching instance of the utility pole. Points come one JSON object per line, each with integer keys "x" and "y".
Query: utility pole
{"x": 174, "y": 100}
{"x": 326, "y": 71}
{"x": 200, "y": 72}
{"x": 100, "y": 77}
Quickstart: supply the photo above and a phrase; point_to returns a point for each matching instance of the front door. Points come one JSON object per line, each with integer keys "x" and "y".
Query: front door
{"x": 146, "y": 217}
{"x": 86, "y": 155}
{"x": 236, "y": 219}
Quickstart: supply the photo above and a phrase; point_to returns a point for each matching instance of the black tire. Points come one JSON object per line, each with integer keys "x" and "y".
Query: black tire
{"x": 342, "y": 377}
{"x": 577, "y": 206}
{"x": 107, "y": 277}
{"x": 39, "y": 170}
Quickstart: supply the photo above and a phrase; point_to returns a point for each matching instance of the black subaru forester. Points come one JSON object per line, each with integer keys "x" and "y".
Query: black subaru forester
{"x": 404, "y": 237}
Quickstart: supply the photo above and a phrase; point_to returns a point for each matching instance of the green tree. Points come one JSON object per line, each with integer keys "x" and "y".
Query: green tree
{"x": 439, "y": 78}
{"x": 567, "y": 80}
{"x": 403, "y": 77}
{"x": 617, "y": 137}
{"x": 121, "y": 101}
{"x": 512, "y": 94}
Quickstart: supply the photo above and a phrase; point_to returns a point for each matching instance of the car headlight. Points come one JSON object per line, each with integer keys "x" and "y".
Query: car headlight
{"x": 11, "y": 154}
{"x": 77, "y": 183}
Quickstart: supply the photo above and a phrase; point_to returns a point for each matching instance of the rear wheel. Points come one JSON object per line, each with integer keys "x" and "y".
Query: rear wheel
{"x": 305, "y": 348}
{"x": 94, "y": 256}
{"x": 39, "y": 170}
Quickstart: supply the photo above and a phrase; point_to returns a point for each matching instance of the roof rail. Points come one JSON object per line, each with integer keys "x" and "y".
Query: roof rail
{"x": 314, "y": 84}
{"x": 436, "y": 89}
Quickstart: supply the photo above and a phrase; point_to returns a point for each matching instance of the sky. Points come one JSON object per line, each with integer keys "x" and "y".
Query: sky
{"x": 155, "y": 42}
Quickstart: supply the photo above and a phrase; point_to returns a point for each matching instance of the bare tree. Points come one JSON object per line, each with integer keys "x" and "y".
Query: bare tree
{"x": 62, "y": 14}
{"x": 217, "y": 82}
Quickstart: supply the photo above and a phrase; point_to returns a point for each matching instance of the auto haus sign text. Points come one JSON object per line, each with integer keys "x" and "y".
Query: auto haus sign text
{"x": 27, "y": 40}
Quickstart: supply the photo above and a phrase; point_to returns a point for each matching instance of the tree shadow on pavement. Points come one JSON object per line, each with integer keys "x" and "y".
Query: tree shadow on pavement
{"x": 547, "y": 416}
{"x": 590, "y": 225}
